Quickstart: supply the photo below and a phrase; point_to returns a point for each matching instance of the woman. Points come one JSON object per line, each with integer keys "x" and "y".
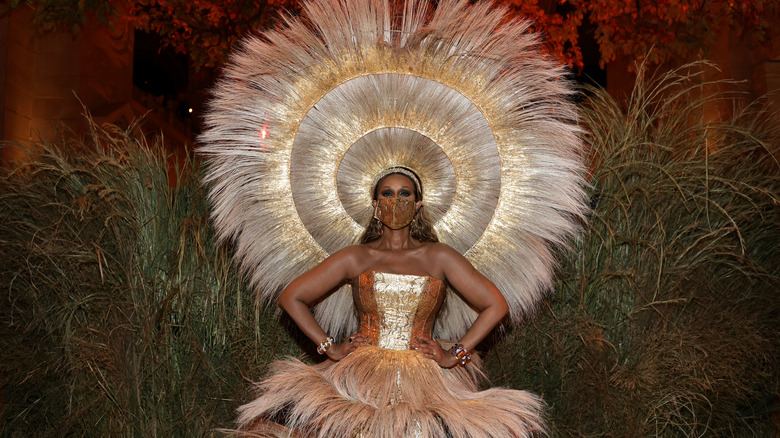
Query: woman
{"x": 390, "y": 378}
{"x": 307, "y": 124}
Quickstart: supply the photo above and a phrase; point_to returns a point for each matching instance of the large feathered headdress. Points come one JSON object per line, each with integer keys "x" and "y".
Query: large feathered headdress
{"x": 305, "y": 117}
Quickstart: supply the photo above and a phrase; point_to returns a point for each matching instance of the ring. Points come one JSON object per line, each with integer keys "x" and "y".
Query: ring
{"x": 349, "y": 339}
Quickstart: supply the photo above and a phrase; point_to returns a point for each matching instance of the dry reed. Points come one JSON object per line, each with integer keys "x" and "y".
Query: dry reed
{"x": 120, "y": 317}
{"x": 665, "y": 318}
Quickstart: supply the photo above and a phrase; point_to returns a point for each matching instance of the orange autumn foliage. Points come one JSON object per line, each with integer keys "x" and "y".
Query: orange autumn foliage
{"x": 662, "y": 30}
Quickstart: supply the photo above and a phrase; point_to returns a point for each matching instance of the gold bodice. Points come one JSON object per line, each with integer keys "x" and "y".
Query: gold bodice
{"x": 394, "y": 308}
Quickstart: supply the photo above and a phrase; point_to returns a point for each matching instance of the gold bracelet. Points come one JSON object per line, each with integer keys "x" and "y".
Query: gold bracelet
{"x": 460, "y": 353}
{"x": 325, "y": 344}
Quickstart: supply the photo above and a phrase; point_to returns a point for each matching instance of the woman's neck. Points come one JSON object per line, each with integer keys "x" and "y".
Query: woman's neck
{"x": 396, "y": 239}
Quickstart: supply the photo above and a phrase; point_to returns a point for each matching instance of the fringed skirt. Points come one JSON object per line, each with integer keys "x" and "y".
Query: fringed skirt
{"x": 375, "y": 392}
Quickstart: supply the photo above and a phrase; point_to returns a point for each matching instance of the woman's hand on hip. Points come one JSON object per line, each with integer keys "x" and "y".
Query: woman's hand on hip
{"x": 431, "y": 349}
{"x": 340, "y": 351}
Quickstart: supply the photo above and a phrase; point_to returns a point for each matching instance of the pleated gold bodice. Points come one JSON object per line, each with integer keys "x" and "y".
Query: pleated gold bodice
{"x": 394, "y": 308}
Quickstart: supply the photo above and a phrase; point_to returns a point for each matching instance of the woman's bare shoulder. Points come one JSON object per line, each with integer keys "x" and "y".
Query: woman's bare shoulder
{"x": 354, "y": 258}
{"x": 438, "y": 249}
{"x": 352, "y": 252}
{"x": 436, "y": 255}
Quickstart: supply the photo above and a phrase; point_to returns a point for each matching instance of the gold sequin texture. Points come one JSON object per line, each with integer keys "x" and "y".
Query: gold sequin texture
{"x": 395, "y": 308}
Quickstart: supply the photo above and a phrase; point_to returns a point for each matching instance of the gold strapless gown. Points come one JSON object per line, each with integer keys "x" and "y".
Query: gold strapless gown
{"x": 384, "y": 389}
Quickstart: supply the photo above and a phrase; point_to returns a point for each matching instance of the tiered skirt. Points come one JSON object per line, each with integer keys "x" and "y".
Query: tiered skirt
{"x": 380, "y": 393}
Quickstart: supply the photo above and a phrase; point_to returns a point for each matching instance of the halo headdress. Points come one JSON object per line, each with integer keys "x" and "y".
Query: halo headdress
{"x": 306, "y": 117}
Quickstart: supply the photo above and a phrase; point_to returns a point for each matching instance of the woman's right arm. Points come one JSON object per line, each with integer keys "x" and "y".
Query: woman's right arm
{"x": 298, "y": 296}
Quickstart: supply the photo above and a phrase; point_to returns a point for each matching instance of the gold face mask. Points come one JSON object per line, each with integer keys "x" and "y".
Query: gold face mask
{"x": 395, "y": 213}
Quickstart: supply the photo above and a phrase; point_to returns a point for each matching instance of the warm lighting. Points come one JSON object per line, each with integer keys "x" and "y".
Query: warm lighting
{"x": 263, "y": 133}
{"x": 189, "y": 110}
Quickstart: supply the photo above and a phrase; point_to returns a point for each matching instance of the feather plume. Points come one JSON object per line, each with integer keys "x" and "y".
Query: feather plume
{"x": 378, "y": 393}
{"x": 306, "y": 116}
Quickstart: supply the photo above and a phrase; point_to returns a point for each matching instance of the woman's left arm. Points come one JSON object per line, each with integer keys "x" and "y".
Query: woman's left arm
{"x": 479, "y": 292}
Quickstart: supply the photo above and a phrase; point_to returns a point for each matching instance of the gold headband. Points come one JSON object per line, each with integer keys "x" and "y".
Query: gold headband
{"x": 403, "y": 171}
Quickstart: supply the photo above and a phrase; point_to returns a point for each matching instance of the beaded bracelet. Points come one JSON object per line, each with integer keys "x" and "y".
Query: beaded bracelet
{"x": 325, "y": 344}
{"x": 460, "y": 353}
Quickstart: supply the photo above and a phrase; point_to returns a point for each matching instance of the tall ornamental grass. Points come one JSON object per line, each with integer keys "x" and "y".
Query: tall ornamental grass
{"x": 666, "y": 316}
{"x": 120, "y": 316}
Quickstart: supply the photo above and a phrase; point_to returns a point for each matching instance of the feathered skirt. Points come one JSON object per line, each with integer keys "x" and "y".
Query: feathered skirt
{"x": 376, "y": 392}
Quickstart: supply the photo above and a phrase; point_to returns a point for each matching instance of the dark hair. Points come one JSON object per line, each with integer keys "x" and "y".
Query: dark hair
{"x": 421, "y": 227}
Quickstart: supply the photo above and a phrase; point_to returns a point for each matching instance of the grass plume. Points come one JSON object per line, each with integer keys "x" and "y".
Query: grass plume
{"x": 119, "y": 315}
{"x": 665, "y": 318}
